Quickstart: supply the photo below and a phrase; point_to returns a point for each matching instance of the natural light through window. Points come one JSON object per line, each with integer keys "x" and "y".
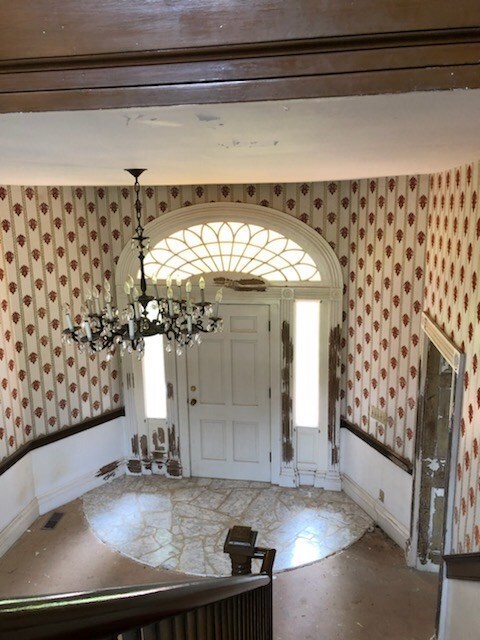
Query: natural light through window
{"x": 230, "y": 247}
{"x": 154, "y": 378}
{"x": 306, "y": 362}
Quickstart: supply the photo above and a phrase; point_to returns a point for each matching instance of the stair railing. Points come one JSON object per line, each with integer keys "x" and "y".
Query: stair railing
{"x": 232, "y": 608}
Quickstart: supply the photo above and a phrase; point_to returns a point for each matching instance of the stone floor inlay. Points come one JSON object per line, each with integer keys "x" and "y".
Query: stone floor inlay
{"x": 182, "y": 524}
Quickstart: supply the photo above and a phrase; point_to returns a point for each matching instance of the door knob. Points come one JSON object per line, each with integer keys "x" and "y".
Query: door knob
{"x": 193, "y": 402}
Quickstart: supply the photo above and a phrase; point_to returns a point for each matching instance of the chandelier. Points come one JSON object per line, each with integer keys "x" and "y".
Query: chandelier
{"x": 180, "y": 319}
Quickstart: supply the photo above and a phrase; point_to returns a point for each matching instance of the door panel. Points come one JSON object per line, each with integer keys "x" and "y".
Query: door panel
{"x": 245, "y": 441}
{"x": 244, "y": 370}
{"x": 210, "y": 370}
{"x": 229, "y": 404}
{"x": 213, "y": 440}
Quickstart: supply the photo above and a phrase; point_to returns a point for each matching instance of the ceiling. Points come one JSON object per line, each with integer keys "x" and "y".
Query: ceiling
{"x": 281, "y": 141}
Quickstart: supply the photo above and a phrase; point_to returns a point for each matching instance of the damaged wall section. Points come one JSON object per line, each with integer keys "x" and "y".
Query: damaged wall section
{"x": 334, "y": 351}
{"x": 286, "y": 376}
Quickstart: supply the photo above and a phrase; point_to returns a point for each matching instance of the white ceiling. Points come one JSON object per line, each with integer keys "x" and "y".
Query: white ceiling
{"x": 282, "y": 141}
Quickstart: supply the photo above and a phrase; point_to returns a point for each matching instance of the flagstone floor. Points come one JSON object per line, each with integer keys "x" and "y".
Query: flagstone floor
{"x": 181, "y": 524}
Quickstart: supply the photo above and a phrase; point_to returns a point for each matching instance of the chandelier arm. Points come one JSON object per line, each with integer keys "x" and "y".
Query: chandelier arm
{"x": 181, "y": 321}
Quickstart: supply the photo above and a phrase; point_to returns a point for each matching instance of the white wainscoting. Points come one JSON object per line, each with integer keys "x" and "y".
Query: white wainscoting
{"x": 50, "y": 476}
{"x": 365, "y": 472}
{"x": 460, "y": 615}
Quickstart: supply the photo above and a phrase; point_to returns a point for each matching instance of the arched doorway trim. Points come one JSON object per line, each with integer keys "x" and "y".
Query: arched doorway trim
{"x": 287, "y": 469}
{"x": 309, "y": 240}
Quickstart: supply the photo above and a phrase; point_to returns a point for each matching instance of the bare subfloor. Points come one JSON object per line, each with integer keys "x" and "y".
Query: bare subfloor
{"x": 365, "y": 592}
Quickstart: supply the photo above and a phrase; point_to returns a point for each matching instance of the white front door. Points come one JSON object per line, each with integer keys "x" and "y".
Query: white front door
{"x": 229, "y": 403}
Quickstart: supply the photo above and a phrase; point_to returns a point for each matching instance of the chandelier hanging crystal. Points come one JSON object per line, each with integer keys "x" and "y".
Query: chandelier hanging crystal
{"x": 180, "y": 320}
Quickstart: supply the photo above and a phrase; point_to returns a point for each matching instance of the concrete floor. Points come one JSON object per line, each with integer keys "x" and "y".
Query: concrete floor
{"x": 362, "y": 593}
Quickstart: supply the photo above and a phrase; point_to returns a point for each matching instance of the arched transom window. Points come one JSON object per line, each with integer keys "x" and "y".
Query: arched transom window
{"x": 230, "y": 247}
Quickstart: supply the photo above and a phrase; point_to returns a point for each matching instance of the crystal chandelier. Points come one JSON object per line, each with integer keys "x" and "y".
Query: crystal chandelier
{"x": 180, "y": 320}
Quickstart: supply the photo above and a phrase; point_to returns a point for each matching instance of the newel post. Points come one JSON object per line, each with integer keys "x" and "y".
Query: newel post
{"x": 240, "y": 546}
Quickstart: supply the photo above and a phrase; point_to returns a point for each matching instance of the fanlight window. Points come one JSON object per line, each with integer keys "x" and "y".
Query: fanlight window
{"x": 230, "y": 247}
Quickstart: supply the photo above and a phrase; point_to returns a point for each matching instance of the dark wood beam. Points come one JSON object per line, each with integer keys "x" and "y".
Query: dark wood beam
{"x": 65, "y": 55}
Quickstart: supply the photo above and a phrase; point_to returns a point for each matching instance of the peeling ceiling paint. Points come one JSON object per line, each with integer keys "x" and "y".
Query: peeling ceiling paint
{"x": 282, "y": 141}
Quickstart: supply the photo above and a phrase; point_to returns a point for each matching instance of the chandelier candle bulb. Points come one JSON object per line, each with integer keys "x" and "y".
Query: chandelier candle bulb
{"x": 154, "y": 283}
{"x": 201, "y": 284}
{"x": 88, "y": 331}
{"x": 136, "y": 306}
{"x": 218, "y": 299}
{"x": 96, "y": 300}
{"x": 170, "y": 300}
{"x": 179, "y": 285}
{"x": 68, "y": 317}
{"x": 188, "y": 289}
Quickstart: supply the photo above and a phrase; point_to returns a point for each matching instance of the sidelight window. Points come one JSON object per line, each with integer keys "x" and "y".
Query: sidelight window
{"x": 307, "y": 363}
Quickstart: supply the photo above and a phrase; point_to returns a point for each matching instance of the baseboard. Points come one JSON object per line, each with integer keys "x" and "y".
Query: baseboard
{"x": 74, "y": 489}
{"x": 17, "y": 527}
{"x": 376, "y": 510}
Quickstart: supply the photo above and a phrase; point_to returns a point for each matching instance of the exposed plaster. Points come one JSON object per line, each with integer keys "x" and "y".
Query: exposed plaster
{"x": 334, "y": 348}
{"x": 287, "y": 361}
{"x": 174, "y": 465}
{"x": 134, "y": 442}
{"x": 144, "y": 447}
{"x": 134, "y": 466}
{"x": 108, "y": 470}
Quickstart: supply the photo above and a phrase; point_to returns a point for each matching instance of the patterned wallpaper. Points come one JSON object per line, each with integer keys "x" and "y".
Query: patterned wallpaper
{"x": 452, "y": 299}
{"x": 57, "y": 241}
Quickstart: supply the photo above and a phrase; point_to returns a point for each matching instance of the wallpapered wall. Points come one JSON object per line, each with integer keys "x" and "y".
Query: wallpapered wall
{"x": 452, "y": 299}
{"x": 57, "y": 241}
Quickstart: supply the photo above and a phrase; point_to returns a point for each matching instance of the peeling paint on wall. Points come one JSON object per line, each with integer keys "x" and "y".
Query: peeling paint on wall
{"x": 174, "y": 465}
{"x": 134, "y": 442}
{"x": 134, "y": 466}
{"x": 144, "y": 447}
{"x": 108, "y": 470}
{"x": 158, "y": 439}
{"x": 287, "y": 361}
{"x": 334, "y": 349}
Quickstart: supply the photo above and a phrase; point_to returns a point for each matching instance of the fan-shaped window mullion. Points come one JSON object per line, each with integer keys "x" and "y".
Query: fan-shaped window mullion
{"x": 231, "y": 247}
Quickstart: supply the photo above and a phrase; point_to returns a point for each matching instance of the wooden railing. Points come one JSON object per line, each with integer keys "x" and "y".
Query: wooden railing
{"x": 233, "y": 608}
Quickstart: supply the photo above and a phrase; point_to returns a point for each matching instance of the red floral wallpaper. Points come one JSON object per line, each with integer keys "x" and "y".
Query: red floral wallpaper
{"x": 57, "y": 241}
{"x": 452, "y": 299}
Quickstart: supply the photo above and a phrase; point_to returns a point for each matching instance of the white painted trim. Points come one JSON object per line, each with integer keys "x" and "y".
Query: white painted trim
{"x": 443, "y": 343}
{"x": 329, "y": 480}
{"x": 17, "y": 527}
{"x": 329, "y": 290}
{"x": 289, "y": 226}
{"x": 376, "y": 510}
{"x": 288, "y": 477}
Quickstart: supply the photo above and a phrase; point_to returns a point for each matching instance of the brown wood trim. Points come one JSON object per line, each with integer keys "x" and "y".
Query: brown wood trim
{"x": 463, "y": 566}
{"x": 304, "y": 68}
{"x": 63, "y": 27}
{"x": 58, "y": 435}
{"x": 401, "y": 462}
{"x": 109, "y": 611}
{"x": 342, "y": 84}
{"x": 300, "y": 47}
{"x": 241, "y": 69}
